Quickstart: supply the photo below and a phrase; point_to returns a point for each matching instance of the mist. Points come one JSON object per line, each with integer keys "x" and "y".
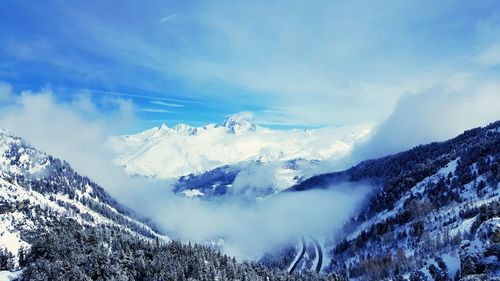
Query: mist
{"x": 249, "y": 229}
{"x": 244, "y": 224}
{"x": 438, "y": 113}
{"x": 77, "y": 131}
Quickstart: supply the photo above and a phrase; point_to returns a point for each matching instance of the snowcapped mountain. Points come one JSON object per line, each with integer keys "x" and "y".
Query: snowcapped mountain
{"x": 165, "y": 152}
{"x": 434, "y": 213}
{"x": 38, "y": 191}
{"x": 238, "y": 124}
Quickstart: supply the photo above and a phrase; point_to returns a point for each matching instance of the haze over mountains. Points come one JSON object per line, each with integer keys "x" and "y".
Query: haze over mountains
{"x": 431, "y": 214}
{"x": 242, "y": 207}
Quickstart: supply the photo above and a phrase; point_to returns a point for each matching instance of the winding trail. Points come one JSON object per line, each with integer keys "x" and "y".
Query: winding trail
{"x": 304, "y": 245}
{"x": 320, "y": 255}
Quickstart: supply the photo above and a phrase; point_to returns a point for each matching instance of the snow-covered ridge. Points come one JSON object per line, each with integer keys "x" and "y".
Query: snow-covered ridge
{"x": 419, "y": 188}
{"x": 165, "y": 152}
{"x": 37, "y": 190}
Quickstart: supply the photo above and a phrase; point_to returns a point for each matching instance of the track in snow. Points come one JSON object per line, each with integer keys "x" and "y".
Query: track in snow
{"x": 304, "y": 245}
{"x": 320, "y": 255}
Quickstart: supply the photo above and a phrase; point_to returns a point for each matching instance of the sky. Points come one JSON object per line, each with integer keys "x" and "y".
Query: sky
{"x": 292, "y": 63}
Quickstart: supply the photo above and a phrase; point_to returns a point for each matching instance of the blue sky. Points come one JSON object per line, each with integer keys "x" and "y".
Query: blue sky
{"x": 292, "y": 63}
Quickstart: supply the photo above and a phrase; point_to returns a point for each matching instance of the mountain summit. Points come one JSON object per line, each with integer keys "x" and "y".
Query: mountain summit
{"x": 239, "y": 123}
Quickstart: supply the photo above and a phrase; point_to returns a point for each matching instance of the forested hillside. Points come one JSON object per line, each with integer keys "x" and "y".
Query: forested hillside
{"x": 70, "y": 252}
{"x": 434, "y": 213}
{"x": 37, "y": 191}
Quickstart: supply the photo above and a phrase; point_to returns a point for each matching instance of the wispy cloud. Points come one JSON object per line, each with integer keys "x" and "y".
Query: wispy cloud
{"x": 490, "y": 56}
{"x": 326, "y": 63}
{"x": 144, "y": 96}
{"x": 153, "y": 110}
{"x": 167, "y": 18}
{"x": 6, "y": 93}
{"x": 167, "y": 104}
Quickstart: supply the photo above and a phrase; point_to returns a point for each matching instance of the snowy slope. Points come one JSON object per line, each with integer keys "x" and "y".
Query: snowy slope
{"x": 434, "y": 213}
{"x": 37, "y": 190}
{"x": 441, "y": 225}
{"x": 166, "y": 152}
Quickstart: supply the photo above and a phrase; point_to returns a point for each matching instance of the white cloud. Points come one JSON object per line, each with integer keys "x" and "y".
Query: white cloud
{"x": 6, "y": 93}
{"x": 77, "y": 130}
{"x": 323, "y": 63}
{"x": 154, "y": 110}
{"x": 168, "y": 18}
{"x": 167, "y": 104}
{"x": 74, "y": 131}
{"x": 249, "y": 229}
{"x": 490, "y": 56}
{"x": 437, "y": 114}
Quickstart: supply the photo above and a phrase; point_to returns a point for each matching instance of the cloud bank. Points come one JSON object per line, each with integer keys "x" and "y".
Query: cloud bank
{"x": 278, "y": 58}
{"x": 437, "y": 114}
{"x": 76, "y": 130}
{"x": 250, "y": 228}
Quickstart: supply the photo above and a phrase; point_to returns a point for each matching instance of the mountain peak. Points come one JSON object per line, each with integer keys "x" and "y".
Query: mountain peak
{"x": 163, "y": 126}
{"x": 239, "y": 123}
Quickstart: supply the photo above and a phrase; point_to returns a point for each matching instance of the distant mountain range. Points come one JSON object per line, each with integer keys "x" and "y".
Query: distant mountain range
{"x": 164, "y": 152}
